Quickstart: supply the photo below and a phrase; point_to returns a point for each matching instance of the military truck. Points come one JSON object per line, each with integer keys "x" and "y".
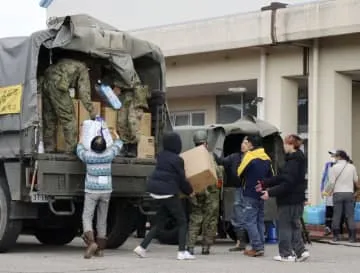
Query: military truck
{"x": 40, "y": 193}
{"x": 225, "y": 139}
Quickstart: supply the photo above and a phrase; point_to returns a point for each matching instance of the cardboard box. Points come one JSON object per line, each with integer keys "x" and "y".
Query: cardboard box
{"x": 200, "y": 169}
{"x": 60, "y": 140}
{"x": 110, "y": 116}
{"x": 145, "y": 124}
{"x": 146, "y": 147}
{"x": 83, "y": 113}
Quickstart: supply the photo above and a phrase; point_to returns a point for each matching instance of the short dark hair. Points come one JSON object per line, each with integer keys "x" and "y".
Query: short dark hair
{"x": 343, "y": 155}
{"x": 255, "y": 140}
{"x": 98, "y": 144}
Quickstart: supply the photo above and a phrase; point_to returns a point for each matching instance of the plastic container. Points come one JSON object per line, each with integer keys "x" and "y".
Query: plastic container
{"x": 108, "y": 94}
{"x": 357, "y": 212}
{"x": 45, "y": 3}
{"x": 272, "y": 237}
{"x": 314, "y": 215}
{"x": 93, "y": 128}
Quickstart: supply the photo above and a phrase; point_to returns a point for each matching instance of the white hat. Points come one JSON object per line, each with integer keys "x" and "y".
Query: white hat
{"x": 332, "y": 152}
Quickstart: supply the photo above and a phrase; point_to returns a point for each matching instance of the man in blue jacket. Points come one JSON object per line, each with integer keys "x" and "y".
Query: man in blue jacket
{"x": 255, "y": 166}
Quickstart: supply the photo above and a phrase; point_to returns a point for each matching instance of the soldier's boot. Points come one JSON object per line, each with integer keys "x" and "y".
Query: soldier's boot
{"x": 91, "y": 246}
{"x": 191, "y": 250}
{"x": 132, "y": 150}
{"x": 205, "y": 250}
{"x": 352, "y": 236}
{"x": 124, "y": 150}
{"x": 241, "y": 241}
{"x": 101, "y": 242}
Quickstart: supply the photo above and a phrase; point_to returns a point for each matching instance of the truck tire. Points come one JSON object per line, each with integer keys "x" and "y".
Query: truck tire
{"x": 9, "y": 229}
{"x": 122, "y": 220}
{"x": 168, "y": 233}
{"x": 56, "y": 236}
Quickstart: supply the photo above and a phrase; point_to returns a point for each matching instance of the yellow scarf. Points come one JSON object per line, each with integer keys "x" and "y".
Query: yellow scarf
{"x": 250, "y": 156}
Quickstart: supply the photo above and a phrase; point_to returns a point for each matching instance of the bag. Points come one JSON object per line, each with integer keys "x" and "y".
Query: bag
{"x": 93, "y": 128}
{"x": 329, "y": 189}
{"x": 108, "y": 95}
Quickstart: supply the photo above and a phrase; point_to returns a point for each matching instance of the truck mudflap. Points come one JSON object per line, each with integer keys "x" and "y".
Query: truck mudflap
{"x": 61, "y": 175}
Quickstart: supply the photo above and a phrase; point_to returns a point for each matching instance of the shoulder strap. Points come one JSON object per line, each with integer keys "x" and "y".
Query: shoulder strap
{"x": 336, "y": 179}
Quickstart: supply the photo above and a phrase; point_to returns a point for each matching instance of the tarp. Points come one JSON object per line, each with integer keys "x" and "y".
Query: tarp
{"x": 19, "y": 60}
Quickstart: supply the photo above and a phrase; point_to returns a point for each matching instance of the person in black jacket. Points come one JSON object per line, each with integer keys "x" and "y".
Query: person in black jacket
{"x": 289, "y": 189}
{"x": 165, "y": 184}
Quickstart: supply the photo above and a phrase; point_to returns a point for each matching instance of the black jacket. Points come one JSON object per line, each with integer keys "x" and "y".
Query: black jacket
{"x": 231, "y": 164}
{"x": 169, "y": 174}
{"x": 289, "y": 186}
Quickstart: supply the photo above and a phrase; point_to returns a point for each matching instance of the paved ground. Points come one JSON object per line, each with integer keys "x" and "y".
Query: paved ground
{"x": 29, "y": 256}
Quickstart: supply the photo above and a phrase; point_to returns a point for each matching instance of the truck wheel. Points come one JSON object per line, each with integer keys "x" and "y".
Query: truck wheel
{"x": 56, "y": 236}
{"x": 122, "y": 219}
{"x": 168, "y": 233}
{"x": 9, "y": 229}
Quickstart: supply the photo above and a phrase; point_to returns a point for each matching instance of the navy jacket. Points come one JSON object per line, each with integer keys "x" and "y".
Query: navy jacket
{"x": 169, "y": 174}
{"x": 257, "y": 170}
{"x": 289, "y": 186}
{"x": 231, "y": 163}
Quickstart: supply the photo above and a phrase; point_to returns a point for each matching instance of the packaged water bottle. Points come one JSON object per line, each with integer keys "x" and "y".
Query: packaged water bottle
{"x": 106, "y": 92}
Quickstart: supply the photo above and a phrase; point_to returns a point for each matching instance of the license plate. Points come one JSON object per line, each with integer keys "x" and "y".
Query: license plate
{"x": 39, "y": 197}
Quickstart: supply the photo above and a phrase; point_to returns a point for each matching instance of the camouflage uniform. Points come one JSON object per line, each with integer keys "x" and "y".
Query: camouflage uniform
{"x": 204, "y": 214}
{"x": 134, "y": 103}
{"x": 57, "y": 103}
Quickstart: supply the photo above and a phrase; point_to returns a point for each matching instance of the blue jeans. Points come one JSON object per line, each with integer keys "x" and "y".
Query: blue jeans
{"x": 254, "y": 222}
{"x": 237, "y": 219}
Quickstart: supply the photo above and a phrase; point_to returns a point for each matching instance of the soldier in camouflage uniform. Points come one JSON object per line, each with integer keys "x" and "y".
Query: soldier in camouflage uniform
{"x": 57, "y": 103}
{"x": 205, "y": 207}
{"x": 134, "y": 104}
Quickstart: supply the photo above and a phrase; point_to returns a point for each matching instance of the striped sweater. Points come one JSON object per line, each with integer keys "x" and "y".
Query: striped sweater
{"x": 98, "y": 167}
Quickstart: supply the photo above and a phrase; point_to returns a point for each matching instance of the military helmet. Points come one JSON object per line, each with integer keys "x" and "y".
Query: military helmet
{"x": 200, "y": 137}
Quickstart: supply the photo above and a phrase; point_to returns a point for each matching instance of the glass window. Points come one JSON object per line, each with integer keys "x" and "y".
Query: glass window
{"x": 192, "y": 118}
{"x": 197, "y": 119}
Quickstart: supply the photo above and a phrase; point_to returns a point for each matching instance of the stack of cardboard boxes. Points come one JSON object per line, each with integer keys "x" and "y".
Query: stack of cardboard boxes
{"x": 146, "y": 147}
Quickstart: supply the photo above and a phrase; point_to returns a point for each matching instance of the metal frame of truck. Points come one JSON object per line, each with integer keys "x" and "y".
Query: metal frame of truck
{"x": 42, "y": 194}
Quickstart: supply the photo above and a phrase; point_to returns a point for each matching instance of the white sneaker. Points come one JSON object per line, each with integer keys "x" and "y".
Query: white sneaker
{"x": 185, "y": 255}
{"x": 304, "y": 256}
{"x": 141, "y": 252}
{"x": 285, "y": 259}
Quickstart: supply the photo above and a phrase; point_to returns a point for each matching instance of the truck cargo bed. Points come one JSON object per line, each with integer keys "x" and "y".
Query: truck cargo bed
{"x": 63, "y": 175}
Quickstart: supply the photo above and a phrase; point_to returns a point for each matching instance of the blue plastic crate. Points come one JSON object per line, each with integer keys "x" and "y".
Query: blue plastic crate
{"x": 314, "y": 215}
{"x": 357, "y": 212}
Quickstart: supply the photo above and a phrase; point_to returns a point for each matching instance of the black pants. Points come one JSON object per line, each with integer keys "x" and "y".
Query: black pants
{"x": 329, "y": 216}
{"x": 290, "y": 236}
{"x": 169, "y": 207}
{"x": 343, "y": 204}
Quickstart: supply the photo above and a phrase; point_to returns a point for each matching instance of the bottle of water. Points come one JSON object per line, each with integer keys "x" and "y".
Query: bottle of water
{"x": 109, "y": 95}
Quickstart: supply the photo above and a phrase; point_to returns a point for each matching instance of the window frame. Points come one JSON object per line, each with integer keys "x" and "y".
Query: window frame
{"x": 189, "y": 114}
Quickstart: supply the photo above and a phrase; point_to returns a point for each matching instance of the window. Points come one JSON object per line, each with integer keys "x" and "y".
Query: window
{"x": 192, "y": 118}
{"x": 232, "y": 107}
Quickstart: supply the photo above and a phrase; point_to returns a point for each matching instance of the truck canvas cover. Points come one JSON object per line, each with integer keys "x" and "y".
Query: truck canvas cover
{"x": 19, "y": 112}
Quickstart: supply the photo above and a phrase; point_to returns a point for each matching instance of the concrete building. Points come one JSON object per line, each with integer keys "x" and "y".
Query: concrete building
{"x": 301, "y": 64}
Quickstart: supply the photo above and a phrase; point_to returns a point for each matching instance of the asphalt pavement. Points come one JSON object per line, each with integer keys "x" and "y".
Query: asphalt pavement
{"x": 30, "y": 256}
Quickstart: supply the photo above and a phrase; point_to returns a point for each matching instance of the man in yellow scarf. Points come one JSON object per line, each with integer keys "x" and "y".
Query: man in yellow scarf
{"x": 255, "y": 166}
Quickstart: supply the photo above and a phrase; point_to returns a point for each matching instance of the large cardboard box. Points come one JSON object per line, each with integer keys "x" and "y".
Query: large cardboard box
{"x": 146, "y": 147}
{"x": 60, "y": 140}
{"x": 200, "y": 169}
{"x": 84, "y": 114}
{"x": 145, "y": 125}
{"x": 110, "y": 116}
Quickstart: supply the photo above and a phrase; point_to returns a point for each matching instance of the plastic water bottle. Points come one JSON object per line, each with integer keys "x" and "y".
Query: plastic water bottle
{"x": 45, "y": 3}
{"x": 109, "y": 95}
{"x": 272, "y": 234}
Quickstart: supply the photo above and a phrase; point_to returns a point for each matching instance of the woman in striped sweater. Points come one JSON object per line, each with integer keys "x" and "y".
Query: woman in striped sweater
{"x": 98, "y": 188}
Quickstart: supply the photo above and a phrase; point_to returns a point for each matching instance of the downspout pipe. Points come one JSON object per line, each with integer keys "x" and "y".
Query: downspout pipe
{"x": 273, "y": 7}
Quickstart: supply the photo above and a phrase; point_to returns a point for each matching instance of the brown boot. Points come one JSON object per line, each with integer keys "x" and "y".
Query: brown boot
{"x": 91, "y": 246}
{"x": 101, "y": 242}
